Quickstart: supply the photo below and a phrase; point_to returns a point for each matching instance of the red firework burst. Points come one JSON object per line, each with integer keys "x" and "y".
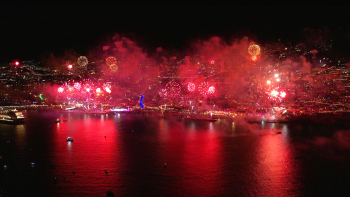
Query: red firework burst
{"x": 205, "y": 89}
{"x": 191, "y": 87}
{"x": 173, "y": 89}
{"x": 211, "y": 90}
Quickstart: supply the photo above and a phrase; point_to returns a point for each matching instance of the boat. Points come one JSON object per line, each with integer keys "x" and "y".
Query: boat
{"x": 206, "y": 118}
{"x": 69, "y": 139}
{"x": 11, "y": 117}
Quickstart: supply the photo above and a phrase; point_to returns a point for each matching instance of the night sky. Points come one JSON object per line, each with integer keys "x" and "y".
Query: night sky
{"x": 29, "y": 32}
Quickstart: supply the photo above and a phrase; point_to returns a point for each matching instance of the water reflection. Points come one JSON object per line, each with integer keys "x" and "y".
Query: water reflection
{"x": 93, "y": 151}
{"x": 275, "y": 164}
{"x": 222, "y": 158}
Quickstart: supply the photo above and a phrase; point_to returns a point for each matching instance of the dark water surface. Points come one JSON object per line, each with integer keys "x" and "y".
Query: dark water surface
{"x": 222, "y": 158}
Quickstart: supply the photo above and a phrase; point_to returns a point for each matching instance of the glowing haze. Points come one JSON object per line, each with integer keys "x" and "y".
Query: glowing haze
{"x": 239, "y": 71}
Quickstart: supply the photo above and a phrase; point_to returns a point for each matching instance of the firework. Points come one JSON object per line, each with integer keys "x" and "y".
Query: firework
{"x": 191, "y": 87}
{"x": 173, "y": 89}
{"x": 163, "y": 93}
{"x": 205, "y": 89}
{"x": 98, "y": 90}
{"x": 254, "y": 50}
{"x": 106, "y": 85}
{"x": 82, "y": 61}
{"x": 275, "y": 94}
{"x": 113, "y": 68}
{"x": 77, "y": 85}
{"x": 211, "y": 90}
{"x": 87, "y": 87}
{"x": 60, "y": 89}
{"x": 254, "y": 58}
{"x": 111, "y": 61}
{"x": 283, "y": 94}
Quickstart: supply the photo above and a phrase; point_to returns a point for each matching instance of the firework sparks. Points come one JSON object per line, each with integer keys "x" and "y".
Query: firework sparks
{"x": 106, "y": 86}
{"x": 254, "y": 50}
{"x": 211, "y": 90}
{"x": 82, "y": 61}
{"x": 98, "y": 90}
{"x": 254, "y": 58}
{"x": 111, "y": 61}
{"x": 191, "y": 87}
{"x": 205, "y": 89}
{"x": 275, "y": 94}
{"x": 77, "y": 85}
{"x": 60, "y": 89}
{"x": 173, "y": 89}
{"x": 283, "y": 94}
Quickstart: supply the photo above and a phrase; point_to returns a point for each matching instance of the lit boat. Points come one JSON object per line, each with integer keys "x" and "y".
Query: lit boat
{"x": 69, "y": 139}
{"x": 119, "y": 110}
{"x": 11, "y": 117}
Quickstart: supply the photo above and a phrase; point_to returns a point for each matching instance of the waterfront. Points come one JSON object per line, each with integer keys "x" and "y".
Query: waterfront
{"x": 222, "y": 158}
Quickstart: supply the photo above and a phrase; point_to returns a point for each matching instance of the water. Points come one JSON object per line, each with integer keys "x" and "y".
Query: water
{"x": 222, "y": 158}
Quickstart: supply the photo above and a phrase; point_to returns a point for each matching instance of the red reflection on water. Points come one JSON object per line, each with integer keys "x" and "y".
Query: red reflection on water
{"x": 93, "y": 151}
{"x": 192, "y": 154}
{"x": 275, "y": 164}
{"x": 203, "y": 163}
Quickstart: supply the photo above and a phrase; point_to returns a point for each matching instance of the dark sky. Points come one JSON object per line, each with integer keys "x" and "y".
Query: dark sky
{"x": 28, "y": 32}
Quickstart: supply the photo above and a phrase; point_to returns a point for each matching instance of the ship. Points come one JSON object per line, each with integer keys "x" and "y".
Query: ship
{"x": 199, "y": 117}
{"x": 11, "y": 117}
